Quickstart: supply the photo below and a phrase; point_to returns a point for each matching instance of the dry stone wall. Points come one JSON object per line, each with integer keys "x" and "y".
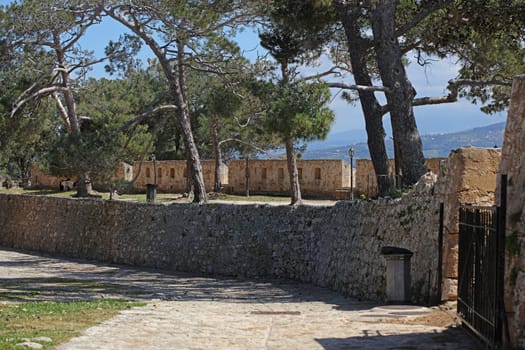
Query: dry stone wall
{"x": 513, "y": 164}
{"x": 336, "y": 247}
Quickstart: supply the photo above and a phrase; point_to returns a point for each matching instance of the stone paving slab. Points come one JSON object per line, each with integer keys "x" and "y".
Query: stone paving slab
{"x": 198, "y": 312}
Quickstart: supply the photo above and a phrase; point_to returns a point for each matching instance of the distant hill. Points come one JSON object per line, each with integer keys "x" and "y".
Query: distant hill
{"x": 434, "y": 145}
{"x": 340, "y": 138}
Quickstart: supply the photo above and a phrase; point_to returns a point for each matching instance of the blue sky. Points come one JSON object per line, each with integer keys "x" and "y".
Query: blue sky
{"x": 428, "y": 81}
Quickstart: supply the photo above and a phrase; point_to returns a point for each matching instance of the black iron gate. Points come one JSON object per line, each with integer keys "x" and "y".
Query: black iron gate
{"x": 481, "y": 269}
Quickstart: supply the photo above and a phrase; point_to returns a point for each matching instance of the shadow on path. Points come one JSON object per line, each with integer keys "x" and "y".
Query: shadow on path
{"x": 32, "y": 277}
{"x": 450, "y": 339}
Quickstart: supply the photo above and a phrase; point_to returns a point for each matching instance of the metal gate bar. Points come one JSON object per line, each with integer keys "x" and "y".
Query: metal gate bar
{"x": 478, "y": 294}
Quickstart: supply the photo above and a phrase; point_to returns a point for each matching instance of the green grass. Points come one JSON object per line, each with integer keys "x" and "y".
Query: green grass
{"x": 38, "y": 192}
{"x": 255, "y": 198}
{"x": 57, "y": 308}
{"x": 58, "y": 321}
{"x": 141, "y": 197}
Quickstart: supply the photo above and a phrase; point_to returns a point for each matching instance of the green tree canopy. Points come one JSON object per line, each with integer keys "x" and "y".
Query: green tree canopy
{"x": 299, "y": 111}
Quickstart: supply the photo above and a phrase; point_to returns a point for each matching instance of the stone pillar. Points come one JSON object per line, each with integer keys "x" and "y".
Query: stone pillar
{"x": 468, "y": 176}
{"x": 513, "y": 164}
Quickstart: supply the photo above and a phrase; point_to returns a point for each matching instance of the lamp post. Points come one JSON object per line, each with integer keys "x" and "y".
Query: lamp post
{"x": 151, "y": 190}
{"x": 351, "y": 153}
{"x": 154, "y": 159}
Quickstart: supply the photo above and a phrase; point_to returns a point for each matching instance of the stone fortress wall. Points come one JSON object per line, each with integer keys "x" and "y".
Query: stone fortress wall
{"x": 172, "y": 175}
{"x": 319, "y": 178}
{"x": 41, "y": 179}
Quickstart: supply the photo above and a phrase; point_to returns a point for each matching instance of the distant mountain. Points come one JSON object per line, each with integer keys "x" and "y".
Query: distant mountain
{"x": 434, "y": 145}
{"x": 340, "y": 138}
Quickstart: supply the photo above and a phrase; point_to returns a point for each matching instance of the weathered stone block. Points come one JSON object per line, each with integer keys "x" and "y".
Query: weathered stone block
{"x": 450, "y": 289}
{"x": 451, "y": 257}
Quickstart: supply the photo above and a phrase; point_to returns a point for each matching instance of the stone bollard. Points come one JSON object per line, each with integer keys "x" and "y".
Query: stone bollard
{"x": 397, "y": 274}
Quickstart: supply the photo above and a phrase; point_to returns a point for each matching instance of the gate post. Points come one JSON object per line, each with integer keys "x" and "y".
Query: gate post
{"x": 502, "y": 328}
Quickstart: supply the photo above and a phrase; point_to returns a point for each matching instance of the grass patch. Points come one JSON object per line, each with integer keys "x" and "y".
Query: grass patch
{"x": 141, "y": 197}
{"x": 163, "y": 198}
{"x": 56, "y": 320}
{"x": 255, "y": 198}
{"x": 38, "y": 192}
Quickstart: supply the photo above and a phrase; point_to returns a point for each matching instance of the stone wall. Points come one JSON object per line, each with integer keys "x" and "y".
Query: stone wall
{"x": 317, "y": 178}
{"x": 467, "y": 177}
{"x": 513, "y": 164}
{"x": 366, "y": 182}
{"x": 337, "y": 246}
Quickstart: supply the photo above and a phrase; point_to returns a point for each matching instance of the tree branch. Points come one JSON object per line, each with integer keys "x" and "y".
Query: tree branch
{"x": 247, "y": 144}
{"x": 454, "y": 86}
{"x": 35, "y": 96}
{"x": 140, "y": 118}
{"x": 335, "y": 70}
{"x": 62, "y": 111}
{"x": 421, "y": 15}
{"x": 357, "y": 87}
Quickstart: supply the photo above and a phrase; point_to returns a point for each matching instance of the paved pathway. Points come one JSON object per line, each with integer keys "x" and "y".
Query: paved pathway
{"x": 191, "y": 312}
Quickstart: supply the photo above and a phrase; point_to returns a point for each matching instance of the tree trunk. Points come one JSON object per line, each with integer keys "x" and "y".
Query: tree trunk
{"x": 177, "y": 81}
{"x": 357, "y": 47}
{"x": 24, "y": 168}
{"x": 71, "y": 108}
{"x": 295, "y": 189}
{"x": 247, "y": 176}
{"x": 217, "y": 153}
{"x": 407, "y": 142}
{"x": 84, "y": 187}
{"x": 189, "y": 183}
{"x": 195, "y": 168}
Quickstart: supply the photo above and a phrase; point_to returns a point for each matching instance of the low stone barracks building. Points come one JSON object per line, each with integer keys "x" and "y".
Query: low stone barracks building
{"x": 172, "y": 175}
{"x": 40, "y": 179}
{"x": 319, "y": 178}
{"x": 326, "y": 178}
